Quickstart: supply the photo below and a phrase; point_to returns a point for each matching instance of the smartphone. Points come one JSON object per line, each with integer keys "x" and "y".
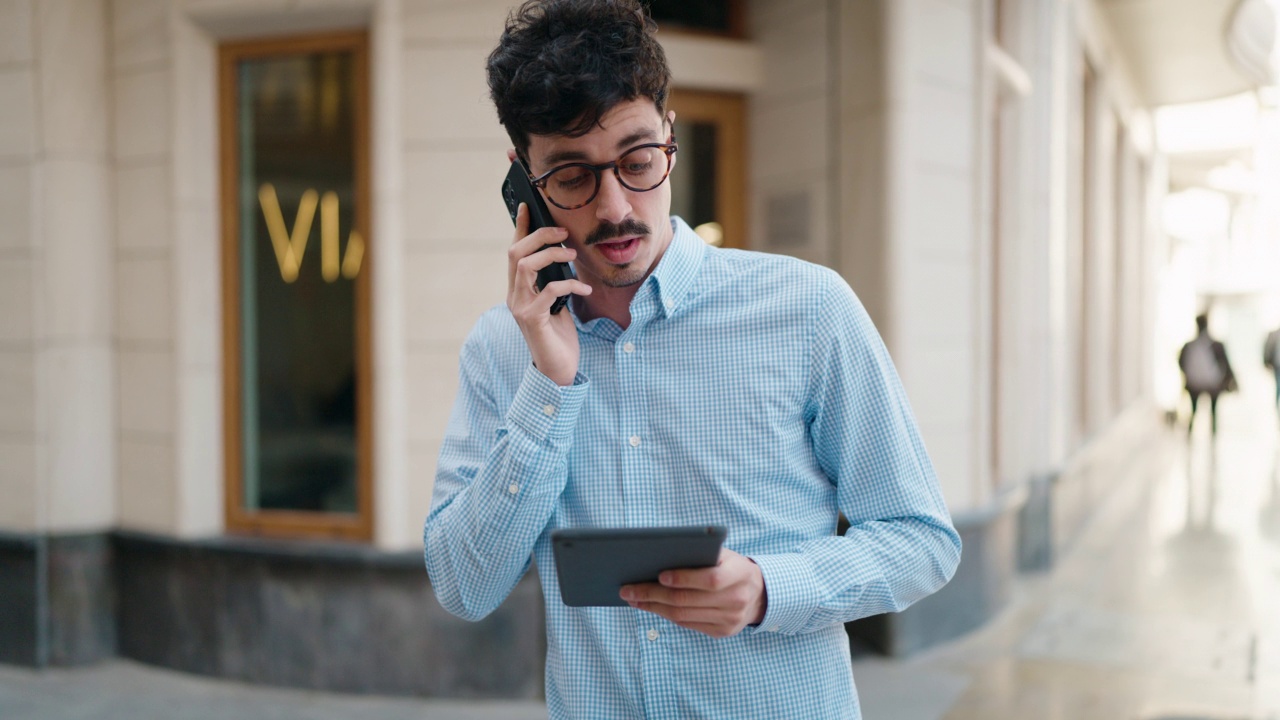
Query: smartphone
{"x": 517, "y": 189}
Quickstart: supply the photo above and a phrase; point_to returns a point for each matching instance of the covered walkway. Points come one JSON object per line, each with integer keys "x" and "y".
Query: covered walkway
{"x": 1167, "y": 608}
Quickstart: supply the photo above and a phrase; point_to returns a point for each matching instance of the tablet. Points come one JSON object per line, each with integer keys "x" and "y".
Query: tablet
{"x": 592, "y": 564}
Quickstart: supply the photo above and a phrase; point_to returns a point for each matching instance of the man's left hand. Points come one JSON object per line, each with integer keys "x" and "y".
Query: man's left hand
{"x": 718, "y": 601}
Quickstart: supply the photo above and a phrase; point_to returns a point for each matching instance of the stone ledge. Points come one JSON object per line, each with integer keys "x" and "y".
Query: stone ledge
{"x": 314, "y": 615}
{"x": 324, "y": 616}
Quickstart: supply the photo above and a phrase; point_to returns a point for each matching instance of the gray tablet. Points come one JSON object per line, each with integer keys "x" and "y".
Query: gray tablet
{"x": 592, "y": 564}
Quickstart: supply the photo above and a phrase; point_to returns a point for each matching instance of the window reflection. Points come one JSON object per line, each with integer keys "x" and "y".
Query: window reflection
{"x": 693, "y": 179}
{"x": 299, "y": 257}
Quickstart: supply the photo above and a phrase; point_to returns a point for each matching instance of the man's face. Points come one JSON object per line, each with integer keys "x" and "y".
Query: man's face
{"x": 621, "y": 234}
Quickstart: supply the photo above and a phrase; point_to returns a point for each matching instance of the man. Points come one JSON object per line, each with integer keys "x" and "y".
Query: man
{"x": 1271, "y": 359}
{"x": 683, "y": 385}
{"x": 1205, "y": 370}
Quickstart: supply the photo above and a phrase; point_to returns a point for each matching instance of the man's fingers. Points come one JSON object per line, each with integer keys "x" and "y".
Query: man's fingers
{"x": 545, "y": 298}
{"x": 684, "y": 615}
{"x": 714, "y": 622}
{"x": 529, "y": 254}
{"x": 710, "y": 579}
{"x": 560, "y": 288}
{"x": 535, "y": 262}
{"x": 535, "y": 240}
{"x": 522, "y": 221}
{"x": 526, "y": 277}
{"x": 702, "y": 579}
{"x": 522, "y": 225}
{"x": 681, "y": 597}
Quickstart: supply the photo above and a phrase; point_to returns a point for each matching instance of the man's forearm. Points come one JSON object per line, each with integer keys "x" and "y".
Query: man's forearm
{"x": 480, "y": 534}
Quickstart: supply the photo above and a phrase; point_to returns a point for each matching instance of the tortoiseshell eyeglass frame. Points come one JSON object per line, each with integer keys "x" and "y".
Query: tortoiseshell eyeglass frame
{"x": 668, "y": 148}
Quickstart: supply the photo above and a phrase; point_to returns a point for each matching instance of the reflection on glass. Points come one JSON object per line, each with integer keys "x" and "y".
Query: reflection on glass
{"x": 299, "y": 257}
{"x": 693, "y": 179}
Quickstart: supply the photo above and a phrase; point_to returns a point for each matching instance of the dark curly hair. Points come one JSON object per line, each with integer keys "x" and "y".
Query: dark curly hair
{"x": 562, "y": 64}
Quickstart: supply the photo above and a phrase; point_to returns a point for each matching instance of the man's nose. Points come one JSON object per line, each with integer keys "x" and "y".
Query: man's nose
{"x": 612, "y": 203}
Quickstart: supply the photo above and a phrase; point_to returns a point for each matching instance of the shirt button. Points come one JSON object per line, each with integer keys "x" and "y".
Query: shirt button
{"x": 513, "y": 488}
{"x": 652, "y": 635}
{"x": 670, "y": 304}
{"x": 628, "y": 348}
{"x": 549, "y": 410}
{"x": 635, "y": 441}
{"x": 775, "y": 628}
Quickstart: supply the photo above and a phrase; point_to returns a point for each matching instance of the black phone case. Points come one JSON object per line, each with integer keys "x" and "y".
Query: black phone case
{"x": 517, "y": 189}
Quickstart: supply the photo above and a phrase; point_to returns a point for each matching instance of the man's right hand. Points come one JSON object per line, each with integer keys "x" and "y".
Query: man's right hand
{"x": 552, "y": 339}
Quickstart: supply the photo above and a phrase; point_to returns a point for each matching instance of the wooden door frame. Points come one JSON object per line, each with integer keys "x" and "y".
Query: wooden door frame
{"x": 294, "y": 523}
{"x": 727, "y": 111}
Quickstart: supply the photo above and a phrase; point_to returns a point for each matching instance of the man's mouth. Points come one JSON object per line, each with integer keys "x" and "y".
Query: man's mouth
{"x": 619, "y": 251}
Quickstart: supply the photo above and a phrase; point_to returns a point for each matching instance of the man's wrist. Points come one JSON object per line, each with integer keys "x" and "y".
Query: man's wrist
{"x": 762, "y": 596}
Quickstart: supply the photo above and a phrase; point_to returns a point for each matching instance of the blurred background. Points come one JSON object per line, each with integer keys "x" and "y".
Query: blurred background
{"x": 241, "y": 242}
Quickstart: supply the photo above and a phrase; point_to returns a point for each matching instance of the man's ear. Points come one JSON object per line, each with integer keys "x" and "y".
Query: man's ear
{"x": 511, "y": 154}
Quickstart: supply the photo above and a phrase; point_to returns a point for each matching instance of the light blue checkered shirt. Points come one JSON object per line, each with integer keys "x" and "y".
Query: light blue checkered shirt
{"x": 750, "y": 391}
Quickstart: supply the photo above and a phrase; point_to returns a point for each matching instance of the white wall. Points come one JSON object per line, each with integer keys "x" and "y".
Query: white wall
{"x": 20, "y": 261}
{"x": 790, "y": 146}
{"x": 146, "y": 235}
{"x": 1030, "y": 414}
{"x": 1117, "y": 333}
{"x": 934, "y": 251}
{"x": 57, "y": 455}
{"x": 456, "y": 230}
{"x": 168, "y": 263}
{"x": 1056, "y": 39}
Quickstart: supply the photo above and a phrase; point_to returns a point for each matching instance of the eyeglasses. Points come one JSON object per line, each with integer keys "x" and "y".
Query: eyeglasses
{"x": 640, "y": 169}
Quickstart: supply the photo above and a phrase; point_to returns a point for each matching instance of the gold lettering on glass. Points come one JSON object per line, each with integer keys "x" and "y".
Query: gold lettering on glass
{"x": 290, "y": 245}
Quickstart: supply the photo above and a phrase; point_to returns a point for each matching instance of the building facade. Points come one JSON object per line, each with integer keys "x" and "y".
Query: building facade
{"x": 241, "y": 244}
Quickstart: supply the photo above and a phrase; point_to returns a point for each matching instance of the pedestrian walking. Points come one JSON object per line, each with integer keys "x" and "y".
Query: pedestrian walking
{"x": 1271, "y": 359}
{"x": 1206, "y": 371}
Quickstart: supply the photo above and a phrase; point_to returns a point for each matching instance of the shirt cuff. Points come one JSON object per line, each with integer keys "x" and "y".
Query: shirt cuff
{"x": 791, "y": 590}
{"x": 543, "y": 409}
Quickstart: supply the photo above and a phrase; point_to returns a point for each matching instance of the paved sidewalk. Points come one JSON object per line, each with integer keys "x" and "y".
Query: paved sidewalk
{"x": 124, "y": 690}
{"x": 1166, "y": 608}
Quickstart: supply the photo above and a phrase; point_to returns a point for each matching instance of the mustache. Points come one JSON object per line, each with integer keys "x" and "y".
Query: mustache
{"x": 606, "y": 231}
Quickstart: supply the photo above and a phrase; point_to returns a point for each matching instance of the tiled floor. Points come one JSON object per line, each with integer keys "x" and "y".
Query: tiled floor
{"x": 1167, "y": 608}
{"x": 121, "y": 690}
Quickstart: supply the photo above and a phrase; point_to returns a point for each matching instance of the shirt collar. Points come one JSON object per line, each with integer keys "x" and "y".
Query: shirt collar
{"x": 679, "y": 266}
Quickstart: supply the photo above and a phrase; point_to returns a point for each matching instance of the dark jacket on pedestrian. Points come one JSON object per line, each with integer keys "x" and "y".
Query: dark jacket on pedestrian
{"x": 1205, "y": 367}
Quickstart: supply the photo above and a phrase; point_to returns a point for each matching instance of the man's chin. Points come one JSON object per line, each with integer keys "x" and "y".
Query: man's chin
{"x": 626, "y": 278}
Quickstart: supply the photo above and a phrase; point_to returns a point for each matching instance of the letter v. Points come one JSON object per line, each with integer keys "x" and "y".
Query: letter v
{"x": 289, "y": 246}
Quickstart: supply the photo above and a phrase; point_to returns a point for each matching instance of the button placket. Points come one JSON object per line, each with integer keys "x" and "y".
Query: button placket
{"x": 631, "y": 419}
